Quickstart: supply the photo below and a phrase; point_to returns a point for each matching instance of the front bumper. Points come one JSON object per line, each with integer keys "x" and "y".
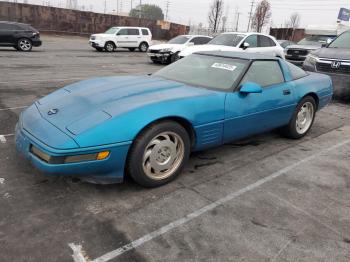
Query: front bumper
{"x": 296, "y": 60}
{"x": 109, "y": 170}
{"x": 36, "y": 42}
{"x": 95, "y": 43}
{"x": 160, "y": 57}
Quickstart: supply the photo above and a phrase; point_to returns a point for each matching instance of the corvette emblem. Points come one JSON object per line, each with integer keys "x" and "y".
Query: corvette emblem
{"x": 336, "y": 64}
{"x": 52, "y": 111}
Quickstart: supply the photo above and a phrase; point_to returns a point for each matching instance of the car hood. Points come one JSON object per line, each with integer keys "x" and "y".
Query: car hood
{"x": 200, "y": 48}
{"x": 163, "y": 46}
{"x": 83, "y": 105}
{"x": 333, "y": 53}
{"x": 101, "y": 35}
{"x": 307, "y": 47}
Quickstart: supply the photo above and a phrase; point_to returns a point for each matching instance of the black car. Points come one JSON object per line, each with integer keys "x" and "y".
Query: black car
{"x": 333, "y": 60}
{"x": 20, "y": 36}
{"x": 296, "y": 54}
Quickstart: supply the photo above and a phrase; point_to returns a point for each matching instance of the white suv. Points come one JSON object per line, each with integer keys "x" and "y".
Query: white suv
{"x": 124, "y": 37}
{"x": 240, "y": 42}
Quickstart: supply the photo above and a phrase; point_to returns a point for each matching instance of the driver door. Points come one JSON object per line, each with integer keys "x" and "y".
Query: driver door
{"x": 122, "y": 38}
{"x": 249, "y": 114}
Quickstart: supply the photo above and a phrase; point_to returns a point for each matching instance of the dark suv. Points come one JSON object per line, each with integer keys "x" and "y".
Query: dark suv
{"x": 334, "y": 61}
{"x": 20, "y": 36}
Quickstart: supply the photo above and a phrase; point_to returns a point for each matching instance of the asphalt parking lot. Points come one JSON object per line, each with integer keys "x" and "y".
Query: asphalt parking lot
{"x": 266, "y": 198}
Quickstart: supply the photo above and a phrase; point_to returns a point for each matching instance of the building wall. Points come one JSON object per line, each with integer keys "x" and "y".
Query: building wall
{"x": 60, "y": 20}
{"x": 288, "y": 34}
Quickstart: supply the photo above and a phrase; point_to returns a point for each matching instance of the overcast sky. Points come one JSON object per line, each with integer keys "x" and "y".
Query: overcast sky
{"x": 321, "y": 12}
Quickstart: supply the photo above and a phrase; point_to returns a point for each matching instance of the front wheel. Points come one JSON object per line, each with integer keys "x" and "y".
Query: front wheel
{"x": 302, "y": 119}
{"x": 174, "y": 57}
{"x": 109, "y": 46}
{"x": 24, "y": 45}
{"x": 143, "y": 47}
{"x": 158, "y": 154}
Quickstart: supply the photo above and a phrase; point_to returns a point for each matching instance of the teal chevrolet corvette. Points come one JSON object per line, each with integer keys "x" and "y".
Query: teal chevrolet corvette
{"x": 146, "y": 126}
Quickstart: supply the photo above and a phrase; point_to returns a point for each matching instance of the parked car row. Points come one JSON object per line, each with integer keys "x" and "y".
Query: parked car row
{"x": 185, "y": 45}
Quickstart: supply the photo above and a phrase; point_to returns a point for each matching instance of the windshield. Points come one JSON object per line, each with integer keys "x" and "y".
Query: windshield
{"x": 316, "y": 40}
{"x": 179, "y": 40}
{"x": 112, "y": 30}
{"x": 343, "y": 41}
{"x": 227, "y": 39}
{"x": 206, "y": 71}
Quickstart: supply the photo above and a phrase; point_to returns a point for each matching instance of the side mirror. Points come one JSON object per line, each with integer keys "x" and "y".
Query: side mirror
{"x": 324, "y": 45}
{"x": 250, "y": 87}
{"x": 190, "y": 44}
{"x": 245, "y": 45}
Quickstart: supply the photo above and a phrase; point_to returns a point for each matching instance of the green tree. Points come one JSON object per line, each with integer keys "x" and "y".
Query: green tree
{"x": 153, "y": 12}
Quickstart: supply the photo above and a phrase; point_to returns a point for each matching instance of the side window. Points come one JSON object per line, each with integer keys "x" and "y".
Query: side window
{"x": 133, "y": 32}
{"x": 252, "y": 40}
{"x": 265, "y": 41}
{"x": 9, "y": 27}
{"x": 205, "y": 40}
{"x": 197, "y": 40}
{"x": 296, "y": 72}
{"x": 264, "y": 73}
{"x": 145, "y": 32}
{"x": 123, "y": 32}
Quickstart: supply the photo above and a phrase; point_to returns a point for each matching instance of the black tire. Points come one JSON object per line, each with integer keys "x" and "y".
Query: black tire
{"x": 132, "y": 49}
{"x": 143, "y": 47}
{"x": 99, "y": 49}
{"x": 174, "y": 57}
{"x": 135, "y": 160}
{"x": 110, "y": 46}
{"x": 24, "y": 45}
{"x": 290, "y": 130}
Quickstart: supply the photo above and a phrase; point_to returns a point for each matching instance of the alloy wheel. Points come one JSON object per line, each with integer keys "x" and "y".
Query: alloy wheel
{"x": 163, "y": 155}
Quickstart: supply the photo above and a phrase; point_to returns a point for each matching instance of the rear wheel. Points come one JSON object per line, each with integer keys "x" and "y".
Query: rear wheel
{"x": 302, "y": 119}
{"x": 143, "y": 47}
{"x": 158, "y": 154}
{"x": 24, "y": 44}
{"x": 110, "y": 46}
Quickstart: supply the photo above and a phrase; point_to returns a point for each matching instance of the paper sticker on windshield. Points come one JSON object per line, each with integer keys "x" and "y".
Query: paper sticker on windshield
{"x": 224, "y": 66}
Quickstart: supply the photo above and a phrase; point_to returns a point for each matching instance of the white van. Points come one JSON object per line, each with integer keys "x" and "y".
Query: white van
{"x": 122, "y": 37}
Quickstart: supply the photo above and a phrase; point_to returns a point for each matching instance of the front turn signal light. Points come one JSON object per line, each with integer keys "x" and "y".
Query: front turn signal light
{"x": 102, "y": 155}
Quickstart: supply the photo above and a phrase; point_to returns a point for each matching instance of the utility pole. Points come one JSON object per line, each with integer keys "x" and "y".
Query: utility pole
{"x": 130, "y": 5}
{"x": 167, "y": 9}
{"x": 140, "y": 9}
{"x": 105, "y": 6}
{"x": 250, "y": 14}
{"x": 237, "y": 21}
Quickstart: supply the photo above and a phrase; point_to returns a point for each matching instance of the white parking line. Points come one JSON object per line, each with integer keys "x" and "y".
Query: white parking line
{"x": 181, "y": 221}
{"x": 12, "y": 108}
{"x": 3, "y": 138}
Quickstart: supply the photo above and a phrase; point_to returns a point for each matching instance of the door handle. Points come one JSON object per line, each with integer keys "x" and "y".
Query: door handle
{"x": 286, "y": 92}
